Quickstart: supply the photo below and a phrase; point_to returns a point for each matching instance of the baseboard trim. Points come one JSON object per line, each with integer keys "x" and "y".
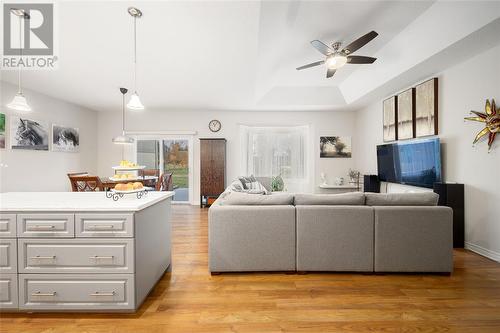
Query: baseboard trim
{"x": 482, "y": 251}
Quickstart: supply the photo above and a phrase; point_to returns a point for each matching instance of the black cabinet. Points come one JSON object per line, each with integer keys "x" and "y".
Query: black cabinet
{"x": 452, "y": 195}
{"x": 371, "y": 183}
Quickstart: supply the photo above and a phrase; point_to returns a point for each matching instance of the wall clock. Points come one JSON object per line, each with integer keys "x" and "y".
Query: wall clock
{"x": 214, "y": 125}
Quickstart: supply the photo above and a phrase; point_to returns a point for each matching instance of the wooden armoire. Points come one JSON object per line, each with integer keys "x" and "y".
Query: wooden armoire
{"x": 212, "y": 169}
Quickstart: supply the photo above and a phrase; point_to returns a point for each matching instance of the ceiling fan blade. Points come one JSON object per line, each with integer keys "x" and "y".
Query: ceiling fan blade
{"x": 317, "y": 63}
{"x": 330, "y": 72}
{"x": 360, "y": 42}
{"x": 321, "y": 47}
{"x": 360, "y": 60}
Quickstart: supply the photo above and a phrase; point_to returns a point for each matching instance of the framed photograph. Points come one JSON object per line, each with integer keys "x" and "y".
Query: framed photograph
{"x": 29, "y": 134}
{"x": 426, "y": 108}
{"x": 406, "y": 114}
{"x": 390, "y": 107}
{"x": 2, "y": 130}
{"x": 335, "y": 147}
{"x": 66, "y": 139}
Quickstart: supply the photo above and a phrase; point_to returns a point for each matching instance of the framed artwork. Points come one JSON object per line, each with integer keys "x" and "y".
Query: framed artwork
{"x": 406, "y": 114}
{"x": 390, "y": 107}
{"x": 29, "y": 134}
{"x": 2, "y": 130}
{"x": 426, "y": 108}
{"x": 335, "y": 147}
{"x": 66, "y": 139}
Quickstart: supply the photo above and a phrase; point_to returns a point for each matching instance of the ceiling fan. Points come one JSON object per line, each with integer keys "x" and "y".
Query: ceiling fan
{"x": 336, "y": 58}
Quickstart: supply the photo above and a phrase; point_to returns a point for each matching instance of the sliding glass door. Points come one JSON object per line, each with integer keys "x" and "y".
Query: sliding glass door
{"x": 176, "y": 162}
{"x": 167, "y": 155}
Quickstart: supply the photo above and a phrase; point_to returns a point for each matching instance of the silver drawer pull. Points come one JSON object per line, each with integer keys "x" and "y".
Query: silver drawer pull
{"x": 42, "y": 227}
{"x": 97, "y": 293}
{"x": 44, "y": 257}
{"x": 38, "y": 293}
{"x": 102, "y": 226}
{"x": 101, "y": 257}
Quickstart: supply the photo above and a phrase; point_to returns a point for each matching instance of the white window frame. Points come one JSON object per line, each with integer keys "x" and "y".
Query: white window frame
{"x": 292, "y": 184}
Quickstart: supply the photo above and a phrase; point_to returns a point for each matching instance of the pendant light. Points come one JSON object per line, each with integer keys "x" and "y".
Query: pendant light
{"x": 19, "y": 102}
{"x": 134, "y": 102}
{"x": 123, "y": 139}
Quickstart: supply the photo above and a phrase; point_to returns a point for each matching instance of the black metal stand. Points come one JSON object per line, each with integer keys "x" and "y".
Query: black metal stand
{"x": 115, "y": 195}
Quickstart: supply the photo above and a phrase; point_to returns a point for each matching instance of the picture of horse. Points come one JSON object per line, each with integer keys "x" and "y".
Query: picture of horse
{"x": 65, "y": 139}
{"x": 29, "y": 134}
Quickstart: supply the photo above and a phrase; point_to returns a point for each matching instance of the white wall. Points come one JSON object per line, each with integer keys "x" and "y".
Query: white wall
{"x": 30, "y": 170}
{"x": 462, "y": 88}
{"x": 321, "y": 124}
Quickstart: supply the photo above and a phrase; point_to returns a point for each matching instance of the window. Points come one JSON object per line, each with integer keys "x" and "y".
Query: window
{"x": 272, "y": 151}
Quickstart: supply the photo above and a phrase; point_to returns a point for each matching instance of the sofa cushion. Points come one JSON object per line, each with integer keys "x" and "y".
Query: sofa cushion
{"x": 266, "y": 182}
{"x": 252, "y": 185}
{"x": 246, "y": 199}
{"x": 355, "y": 199}
{"x": 402, "y": 199}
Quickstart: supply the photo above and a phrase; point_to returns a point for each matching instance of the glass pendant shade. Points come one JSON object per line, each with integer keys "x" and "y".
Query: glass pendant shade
{"x": 135, "y": 103}
{"x": 19, "y": 103}
{"x": 123, "y": 140}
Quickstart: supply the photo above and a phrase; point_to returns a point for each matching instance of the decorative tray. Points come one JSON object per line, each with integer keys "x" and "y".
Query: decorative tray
{"x": 125, "y": 179}
{"x": 120, "y": 168}
{"x": 139, "y": 178}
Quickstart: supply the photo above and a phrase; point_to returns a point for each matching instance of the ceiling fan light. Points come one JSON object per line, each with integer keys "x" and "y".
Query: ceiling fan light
{"x": 123, "y": 140}
{"x": 19, "y": 103}
{"x": 135, "y": 103}
{"x": 336, "y": 61}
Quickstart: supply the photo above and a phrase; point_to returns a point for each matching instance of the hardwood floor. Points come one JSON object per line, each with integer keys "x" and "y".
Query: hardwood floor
{"x": 191, "y": 300}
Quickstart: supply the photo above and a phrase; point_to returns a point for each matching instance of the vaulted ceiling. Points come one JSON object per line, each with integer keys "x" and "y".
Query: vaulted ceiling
{"x": 242, "y": 55}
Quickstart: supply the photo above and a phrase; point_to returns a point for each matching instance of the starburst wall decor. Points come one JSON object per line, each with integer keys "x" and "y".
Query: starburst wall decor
{"x": 492, "y": 122}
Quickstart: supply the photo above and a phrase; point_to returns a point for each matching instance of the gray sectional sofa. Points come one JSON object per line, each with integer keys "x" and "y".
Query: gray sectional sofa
{"x": 355, "y": 232}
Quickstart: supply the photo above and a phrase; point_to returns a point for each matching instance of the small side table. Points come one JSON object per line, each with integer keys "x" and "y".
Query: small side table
{"x": 335, "y": 189}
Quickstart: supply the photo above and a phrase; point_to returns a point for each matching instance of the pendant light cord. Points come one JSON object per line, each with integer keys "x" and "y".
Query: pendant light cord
{"x": 135, "y": 54}
{"x": 20, "y": 91}
{"x": 123, "y": 114}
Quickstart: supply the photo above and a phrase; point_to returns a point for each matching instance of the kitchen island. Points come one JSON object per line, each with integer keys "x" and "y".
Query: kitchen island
{"x": 81, "y": 251}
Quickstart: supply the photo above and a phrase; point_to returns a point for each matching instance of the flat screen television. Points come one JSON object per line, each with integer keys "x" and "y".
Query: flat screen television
{"x": 415, "y": 162}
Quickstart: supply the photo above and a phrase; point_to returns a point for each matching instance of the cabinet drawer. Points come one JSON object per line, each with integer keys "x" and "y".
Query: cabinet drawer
{"x": 104, "y": 225}
{"x": 76, "y": 292}
{"x": 45, "y": 225}
{"x": 77, "y": 255}
{"x": 8, "y": 256}
{"x": 8, "y": 291}
{"x": 7, "y": 225}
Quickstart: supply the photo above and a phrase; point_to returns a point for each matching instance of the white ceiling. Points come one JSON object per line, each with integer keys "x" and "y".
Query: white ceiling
{"x": 213, "y": 55}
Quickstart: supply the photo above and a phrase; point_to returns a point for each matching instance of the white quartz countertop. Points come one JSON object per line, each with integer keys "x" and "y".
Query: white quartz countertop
{"x": 76, "y": 201}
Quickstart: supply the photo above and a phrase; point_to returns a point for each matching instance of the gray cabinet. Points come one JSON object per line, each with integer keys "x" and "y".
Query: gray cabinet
{"x": 76, "y": 291}
{"x": 8, "y": 256}
{"x": 84, "y": 261}
{"x": 8, "y": 226}
{"x": 76, "y": 255}
{"x": 104, "y": 225}
{"x": 46, "y": 225}
{"x": 8, "y": 291}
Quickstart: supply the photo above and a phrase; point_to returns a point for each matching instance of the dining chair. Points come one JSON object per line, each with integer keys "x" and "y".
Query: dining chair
{"x": 85, "y": 183}
{"x": 151, "y": 182}
{"x": 165, "y": 182}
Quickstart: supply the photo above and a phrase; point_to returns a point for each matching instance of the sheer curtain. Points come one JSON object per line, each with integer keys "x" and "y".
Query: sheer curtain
{"x": 272, "y": 151}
